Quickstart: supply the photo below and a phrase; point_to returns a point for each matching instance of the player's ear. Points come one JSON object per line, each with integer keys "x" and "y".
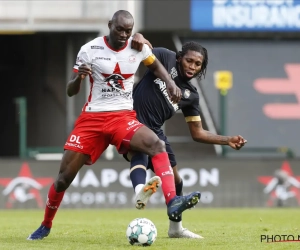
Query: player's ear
{"x": 179, "y": 59}
{"x": 109, "y": 24}
{"x": 178, "y": 56}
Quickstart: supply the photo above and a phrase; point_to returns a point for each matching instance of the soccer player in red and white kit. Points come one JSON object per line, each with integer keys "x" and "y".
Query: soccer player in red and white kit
{"x": 108, "y": 116}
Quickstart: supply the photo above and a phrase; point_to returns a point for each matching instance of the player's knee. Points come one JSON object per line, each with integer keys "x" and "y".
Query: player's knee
{"x": 62, "y": 183}
{"x": 159, "y": 147}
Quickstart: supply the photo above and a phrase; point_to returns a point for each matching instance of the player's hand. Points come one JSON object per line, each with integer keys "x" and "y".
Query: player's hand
{"x": 173, "y": 91}
{"x": 237, "y": 142}
{"x": 138, "y": 42}
{"x": 84, "y": 70}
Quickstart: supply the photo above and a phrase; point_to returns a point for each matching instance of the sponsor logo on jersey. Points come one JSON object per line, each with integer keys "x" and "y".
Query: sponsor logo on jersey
{"x": 111, "y": 93}
{"x": 110, "y": 90}
{"x": 163, "y": 89}
{"x": 103, "y": 58}
{"x": 173, "y": 73}
{"x": 97, "y": 47}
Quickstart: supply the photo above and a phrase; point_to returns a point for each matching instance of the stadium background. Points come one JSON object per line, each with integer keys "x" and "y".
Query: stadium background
{"x": 40, "y": 41}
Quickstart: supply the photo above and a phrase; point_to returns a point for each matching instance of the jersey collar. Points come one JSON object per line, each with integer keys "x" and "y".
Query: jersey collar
{"x": 116, "y": 50}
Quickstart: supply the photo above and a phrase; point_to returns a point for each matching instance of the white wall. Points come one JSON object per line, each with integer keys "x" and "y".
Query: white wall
{"x": 71, "y": 15}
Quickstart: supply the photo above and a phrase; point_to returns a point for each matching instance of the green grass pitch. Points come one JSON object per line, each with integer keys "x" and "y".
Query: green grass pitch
{"x": 222, "y": 229}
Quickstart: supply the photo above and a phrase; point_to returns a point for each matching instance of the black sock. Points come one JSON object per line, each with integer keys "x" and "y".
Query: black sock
{"x": 179, "y": 187}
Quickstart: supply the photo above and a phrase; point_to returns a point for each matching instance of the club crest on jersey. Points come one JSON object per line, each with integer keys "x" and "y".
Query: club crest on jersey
{"x": 187, "y": 93}
{"x": 115, "y": 81}
{"x": 132, "y": 59}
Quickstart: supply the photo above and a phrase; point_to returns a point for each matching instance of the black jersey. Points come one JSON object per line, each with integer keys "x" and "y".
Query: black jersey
{"x": 150, "y": 98}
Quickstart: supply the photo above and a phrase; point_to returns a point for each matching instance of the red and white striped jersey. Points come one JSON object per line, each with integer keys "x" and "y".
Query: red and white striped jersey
{"x": 113, "y": 72}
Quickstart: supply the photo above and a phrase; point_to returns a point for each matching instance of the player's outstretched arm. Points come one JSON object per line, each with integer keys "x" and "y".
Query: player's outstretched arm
{"x": 73, "y": 85}
{"x": 200, "y": 135}
{"x": 159, "y": 70}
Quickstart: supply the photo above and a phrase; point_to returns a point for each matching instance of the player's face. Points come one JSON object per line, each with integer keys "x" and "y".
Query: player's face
{"x": 120, "y": 31}
{"x": 191, "y": 64}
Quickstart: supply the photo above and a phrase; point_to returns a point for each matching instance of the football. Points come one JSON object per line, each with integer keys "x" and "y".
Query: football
{"x": 141, "y": 232}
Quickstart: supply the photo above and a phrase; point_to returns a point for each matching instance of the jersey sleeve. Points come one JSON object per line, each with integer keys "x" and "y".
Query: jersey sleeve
{"x": 163, "y": 55}
{"x": 82, "y": 57}
{"x": 192, "y": 112}
{"x": 148, "y": 57}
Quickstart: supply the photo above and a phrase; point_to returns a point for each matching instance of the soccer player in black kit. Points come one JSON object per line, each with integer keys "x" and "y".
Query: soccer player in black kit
{"x": 153, "y": 107}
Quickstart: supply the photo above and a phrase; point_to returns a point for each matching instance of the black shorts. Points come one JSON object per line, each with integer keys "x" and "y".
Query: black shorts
{"x": 169, "y": 150}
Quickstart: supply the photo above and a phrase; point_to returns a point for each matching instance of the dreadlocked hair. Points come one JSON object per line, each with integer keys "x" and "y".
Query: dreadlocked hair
{"x": 194, "y": 46}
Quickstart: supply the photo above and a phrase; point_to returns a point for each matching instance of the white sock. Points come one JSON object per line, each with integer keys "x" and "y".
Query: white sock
{"x": 175, "y": 226}
{"x": 138, "y": 188}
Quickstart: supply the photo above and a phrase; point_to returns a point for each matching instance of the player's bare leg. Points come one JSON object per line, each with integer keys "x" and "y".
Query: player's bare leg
{"x": 144, "y": 193}
{"x": 70, "y": 165}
